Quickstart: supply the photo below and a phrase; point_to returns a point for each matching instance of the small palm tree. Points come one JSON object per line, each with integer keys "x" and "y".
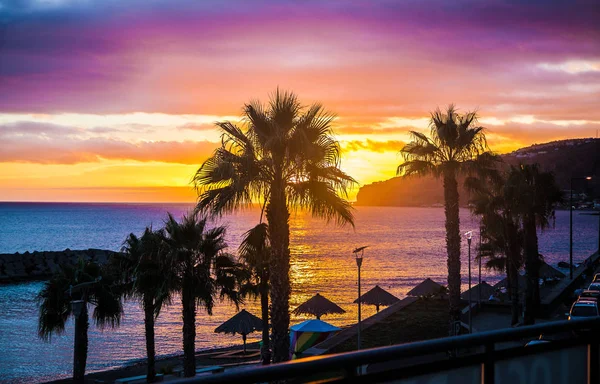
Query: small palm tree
{"x": 285, "y": 156}
{"x": 145, "y": 272}
{"x": 203, "y": 271}
{"x": 456, "y": 145}
{"x": 534, "y": 194}
{"x": 254, "y": 253}
{"x": 69, "y": 293}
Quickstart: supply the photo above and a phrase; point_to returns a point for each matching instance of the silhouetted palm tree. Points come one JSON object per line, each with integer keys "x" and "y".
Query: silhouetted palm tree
{"x": 145, "y": 272}
{"x": 204, "y": 272}
{"x": 456, "y": 145}
{"x": 534, "y": 195}
{"x": 85, "y": 284}
{"x": 285, "y": 156}
{"x": 254, "y": 252}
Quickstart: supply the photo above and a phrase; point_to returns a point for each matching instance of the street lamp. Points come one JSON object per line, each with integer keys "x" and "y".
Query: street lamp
{"x": 358, "y": 253}
{"x": 571, "y": 224}
{"x": 469, "y": 236}
{"x": 479, "y": 251}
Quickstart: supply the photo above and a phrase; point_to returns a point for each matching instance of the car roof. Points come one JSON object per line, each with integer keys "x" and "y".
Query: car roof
{"x": 596, "y": 287}
{"x": 584, "y": 302}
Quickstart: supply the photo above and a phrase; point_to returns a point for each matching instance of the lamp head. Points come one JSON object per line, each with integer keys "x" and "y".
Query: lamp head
{"x": 588, "y": 177}
{"x": 469, "y": 235}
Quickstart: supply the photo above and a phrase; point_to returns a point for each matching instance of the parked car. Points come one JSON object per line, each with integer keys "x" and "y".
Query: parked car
{"x": 582, "y": 309}
{"x": 589, "y": 294}
{"x": 594, "y": 287}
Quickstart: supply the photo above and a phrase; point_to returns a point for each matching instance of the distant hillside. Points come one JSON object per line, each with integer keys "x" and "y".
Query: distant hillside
{"x": 565, "y": 158}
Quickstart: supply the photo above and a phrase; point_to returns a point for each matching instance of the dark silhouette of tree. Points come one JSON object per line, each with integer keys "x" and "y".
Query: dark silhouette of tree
{"x": 285, "y": 156}
{"x": 146, "y": 275}
{"x": 203, "y": 272}
{"x": 87, "y": 284}
{"x": 254, "y": 253}
{"x": 503, "y": 244}
{"x": 534, "y": 195}
{"x": 456, "y": 145}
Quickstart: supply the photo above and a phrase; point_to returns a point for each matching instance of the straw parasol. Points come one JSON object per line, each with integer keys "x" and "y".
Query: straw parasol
{"x": 242, "y": 323}
{"x": 486, "y": 291}
{"x": 548, "y": 272}
{"x": 318, "y": 306}
{"x": 426, "y": 288}
{"x": 378, "y": 296}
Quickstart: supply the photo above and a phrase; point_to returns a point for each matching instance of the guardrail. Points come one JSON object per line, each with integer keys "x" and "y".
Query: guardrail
{"x": 481, "y": 359}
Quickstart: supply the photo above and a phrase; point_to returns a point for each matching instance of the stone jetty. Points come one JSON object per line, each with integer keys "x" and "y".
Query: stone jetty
{"x": 36, "y": 265}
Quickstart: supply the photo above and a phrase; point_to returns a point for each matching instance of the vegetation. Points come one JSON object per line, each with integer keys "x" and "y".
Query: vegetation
{"x": 203, "y": 272}
{"x": 456, "y": 145}
{"x": 503, "y": 245}
{"x": 534, "y": 196}
{"x": 254, "y": 253}
{"x": 285, "y": 155}
{"x": 145, "y": 274}
{"x": 69, "y": 293}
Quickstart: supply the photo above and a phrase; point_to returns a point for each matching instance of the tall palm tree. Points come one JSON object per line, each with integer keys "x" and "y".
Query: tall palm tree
{"x": 534, "y": 194}
{"x": 144, "y": 269}
{"x": 456, "y": 145}
{"x": 254, "y": 253}
{"x": 204, "y": 272}
{"x": 503, "y": 243}
{"x": 69, "y": 293}
{"x": 284, "y": 156}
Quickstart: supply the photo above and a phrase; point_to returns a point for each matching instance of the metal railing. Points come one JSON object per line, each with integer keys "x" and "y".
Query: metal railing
{"x": 480, "y": 358}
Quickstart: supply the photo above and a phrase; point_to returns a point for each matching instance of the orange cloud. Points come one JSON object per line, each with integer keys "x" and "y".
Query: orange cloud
{"x": 373, "y": 146}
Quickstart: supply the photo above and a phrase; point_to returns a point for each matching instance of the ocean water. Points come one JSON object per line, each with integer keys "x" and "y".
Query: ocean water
{"x": 406, "y": 246}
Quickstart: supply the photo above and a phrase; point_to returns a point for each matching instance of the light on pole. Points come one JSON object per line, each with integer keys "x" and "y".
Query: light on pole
{"x": 571, "y": 223}
{"x": 469, "y": 236}
{"x": 358, "y": 253}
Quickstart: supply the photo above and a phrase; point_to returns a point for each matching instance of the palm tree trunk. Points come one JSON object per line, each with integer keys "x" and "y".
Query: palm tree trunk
{"x": 452, "y": 242}
{"x": 189, "y": 332}
{"x": 512, "y": 276}
{"x": 531, "y": 270}
{"x": 279, "y": 267}
{"x": 81, "y": 345}
{"x": 149, "y": 328}
{"x": 264, "y": 306}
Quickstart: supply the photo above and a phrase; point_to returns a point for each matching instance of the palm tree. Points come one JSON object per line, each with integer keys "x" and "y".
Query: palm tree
{"x": 69, "y": 292}
{"x": 254, "y": 252}
{"x": 144, "y": 270}
{"x": 285, "y": 155}
{"x": 204, "y": 272}
{"x": 503, "y": 239}
{"x": 456, "y": 145}
{"x": 534, "y": 194}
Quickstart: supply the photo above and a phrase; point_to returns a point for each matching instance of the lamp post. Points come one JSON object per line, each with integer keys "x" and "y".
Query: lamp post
{"x": 358, "y": 253}
{"x": 571, "y": 223}
{"x": 469, "y": 236}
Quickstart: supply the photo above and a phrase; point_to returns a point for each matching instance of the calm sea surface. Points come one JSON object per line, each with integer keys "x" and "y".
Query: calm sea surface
{"x": 406, "y": 246}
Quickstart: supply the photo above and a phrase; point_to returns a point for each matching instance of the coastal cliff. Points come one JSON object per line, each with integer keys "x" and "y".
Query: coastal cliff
{"x": 27, "y": 266}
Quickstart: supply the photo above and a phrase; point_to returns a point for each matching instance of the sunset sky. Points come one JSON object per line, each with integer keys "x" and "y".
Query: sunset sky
{"x": 116, "y": 100}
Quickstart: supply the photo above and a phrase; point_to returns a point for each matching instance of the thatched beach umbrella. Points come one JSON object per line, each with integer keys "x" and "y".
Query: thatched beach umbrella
{"x": 242, "y": 323}
{"x": 548, "y": 272}
{"x": 318, "y": 306}
{"x": 377, "y": 296}
{"x": 486, "y": 291}
{"x": 427, "y": 287}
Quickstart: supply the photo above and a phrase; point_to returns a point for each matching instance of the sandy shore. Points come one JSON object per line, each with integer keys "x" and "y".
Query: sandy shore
{"x": 225, "y": 357}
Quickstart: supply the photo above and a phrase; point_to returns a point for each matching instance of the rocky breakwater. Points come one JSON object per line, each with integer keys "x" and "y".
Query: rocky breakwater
{"x": 26, "y": 266}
